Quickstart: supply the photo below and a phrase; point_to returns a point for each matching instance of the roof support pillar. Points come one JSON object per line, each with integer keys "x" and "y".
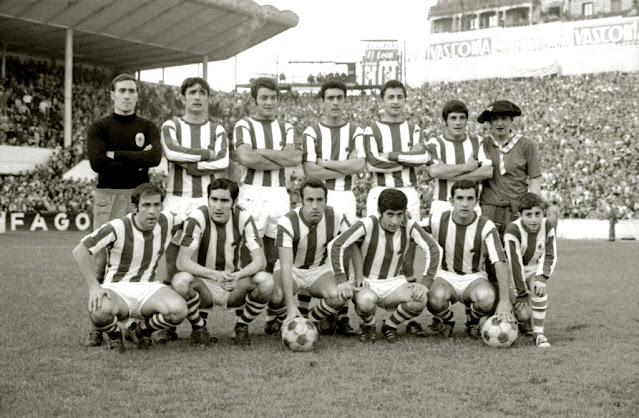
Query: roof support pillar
{"x": 4, "y": 60}
{"x": 205, "y": 67}
{"x": 68, "y": 83}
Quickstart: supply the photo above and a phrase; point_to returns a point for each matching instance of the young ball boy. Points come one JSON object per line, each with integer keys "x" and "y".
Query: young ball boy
{"x": 532, "y": 253}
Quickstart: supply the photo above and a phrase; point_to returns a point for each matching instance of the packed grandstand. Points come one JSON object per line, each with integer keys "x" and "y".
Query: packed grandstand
{"x": 584, "y": 125}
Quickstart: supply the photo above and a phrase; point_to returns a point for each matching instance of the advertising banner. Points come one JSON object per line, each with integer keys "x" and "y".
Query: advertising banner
{"x": 377, "y": 51}
{"x": 568, "y": 48}
{"x": 33, "y": 221}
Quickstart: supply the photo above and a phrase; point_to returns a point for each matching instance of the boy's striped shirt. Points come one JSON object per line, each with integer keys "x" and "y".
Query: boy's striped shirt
{"x": 528, "y": 250}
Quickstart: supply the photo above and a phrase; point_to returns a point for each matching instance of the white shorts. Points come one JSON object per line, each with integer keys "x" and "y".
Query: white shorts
{"x": 183, "y": 205}
{"x": 304, "y": 278}
{"x": 440, "y": 206}
{"x": 344, "y": 203}
{"x": 385, "y": 287}
{"x": 135, "y": 294}
{"x": 410, "y": 192}
{"x": 219, "y": 296}
{"x": 460, "y": 282}
{"x": 266, "y": 205}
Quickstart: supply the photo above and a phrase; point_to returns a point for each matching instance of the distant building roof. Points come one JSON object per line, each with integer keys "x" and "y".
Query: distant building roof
{"x": 139, "y": 34}
{"x": 452, "y": 7}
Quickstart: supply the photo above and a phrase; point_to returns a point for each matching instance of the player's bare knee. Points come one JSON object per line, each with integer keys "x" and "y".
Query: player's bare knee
{"x": 335, "y": 301}
{"x": 102, "y": 316}
{"x": 264, "y": 283}
{"x": 277, "y": 296}
{"x": 365, "y": 300}
{"x": 182, "y": 282}
{"x": 438, "y": 298}
{"x": 523, "y": 313}
{"x": 175, "y": 309}
{"x": 416, "y": 307}
{"x": 484, "y": 298}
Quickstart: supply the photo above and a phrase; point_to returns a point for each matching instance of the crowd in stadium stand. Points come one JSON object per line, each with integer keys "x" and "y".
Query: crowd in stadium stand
{"x": 584, "y": 126}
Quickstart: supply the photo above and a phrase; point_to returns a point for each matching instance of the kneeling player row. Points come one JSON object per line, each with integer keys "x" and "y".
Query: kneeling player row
{"x": 314, "y": 256}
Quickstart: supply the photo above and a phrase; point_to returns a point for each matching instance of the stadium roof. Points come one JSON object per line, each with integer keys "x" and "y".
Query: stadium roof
{"x": 139, "y": 34}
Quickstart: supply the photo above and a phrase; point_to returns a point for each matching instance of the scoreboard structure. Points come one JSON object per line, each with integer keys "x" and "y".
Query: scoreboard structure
{"x": 381, "y": 61}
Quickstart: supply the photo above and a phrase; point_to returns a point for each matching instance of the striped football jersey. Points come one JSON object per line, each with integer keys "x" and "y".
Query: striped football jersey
{"x": 189, "y": 144}
{"x": 218, "y": 246}
{"x": 333, "y": 143}
{"x": 446, "y": 151}
{"x": 383, "y": 252}
{"x": 530, "y": 251}
{"x": 396, "y": 138}
{"x": 308, "y": 241}
{"x": 133, "y": 254}
{"x": 466, "y": 246}
{"x": 263, "y": 134}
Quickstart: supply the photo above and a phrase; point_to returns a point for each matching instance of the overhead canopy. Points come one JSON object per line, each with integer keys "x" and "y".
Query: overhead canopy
{"x": 139, "y": 34}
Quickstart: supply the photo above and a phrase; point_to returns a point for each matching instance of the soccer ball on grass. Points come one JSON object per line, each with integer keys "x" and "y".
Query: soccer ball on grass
{"x": 497, "y": 333}
{"x": 299, "y": 334}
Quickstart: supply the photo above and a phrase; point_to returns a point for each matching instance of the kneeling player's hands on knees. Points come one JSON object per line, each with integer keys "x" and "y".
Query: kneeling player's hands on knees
{"x": 346, "y": 290}
{"x": 359, "y": 285}
{"x": 95, "y": 299}
{"x": 539, "y": 288}
{"x": 419, "y": 292}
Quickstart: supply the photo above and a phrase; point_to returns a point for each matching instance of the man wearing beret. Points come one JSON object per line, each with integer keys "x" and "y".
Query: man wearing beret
{"x": 456, "y": 156}
{"x": 515, "y": 165}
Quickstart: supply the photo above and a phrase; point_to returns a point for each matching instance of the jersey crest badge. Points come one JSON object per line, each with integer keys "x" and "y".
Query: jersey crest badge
{"x": 139, "y": 139}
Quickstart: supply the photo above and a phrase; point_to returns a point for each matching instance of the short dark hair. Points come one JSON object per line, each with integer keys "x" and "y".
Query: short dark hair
{"x": 146, "y": 189}
{"x": 263, "y": 82}
{"x": 191, "y": 81}
{"x": 391, "y": 199}
{"x": 464, "y": 185}
{"x": 224, "y": 184}
{"x": 392, "y": 84}
{"x": 332, "y": 84}
{"x": 314, "y": 184}
{"x": 531, "y": 200}
{"x": 456, "y": 106}
{"x": 123, "y": 77}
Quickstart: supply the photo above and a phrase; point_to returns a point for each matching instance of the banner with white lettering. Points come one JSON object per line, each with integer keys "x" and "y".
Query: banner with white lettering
{"x": 33, "y": 221}
{"x": 569, "y": 48}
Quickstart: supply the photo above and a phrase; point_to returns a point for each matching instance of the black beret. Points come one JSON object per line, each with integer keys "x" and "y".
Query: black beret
{"x": 454, "y": 106}
{"x": 500, "y": 107}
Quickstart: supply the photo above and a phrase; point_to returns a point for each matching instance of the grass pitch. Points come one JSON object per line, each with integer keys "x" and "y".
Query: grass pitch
{"x": 592, "y": 368}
